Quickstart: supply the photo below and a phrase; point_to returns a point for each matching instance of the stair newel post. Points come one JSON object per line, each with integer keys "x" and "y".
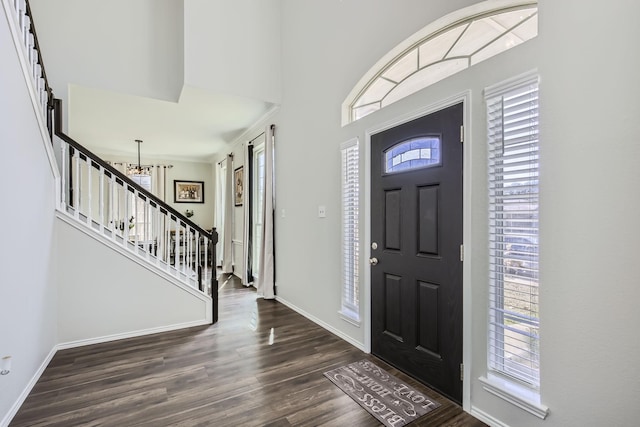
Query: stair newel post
{"x": 214, "y": 282}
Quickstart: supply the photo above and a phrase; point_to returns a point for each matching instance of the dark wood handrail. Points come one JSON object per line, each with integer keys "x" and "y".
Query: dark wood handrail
{"x": 36, "y": 45}
{"x": 96, "y": 162}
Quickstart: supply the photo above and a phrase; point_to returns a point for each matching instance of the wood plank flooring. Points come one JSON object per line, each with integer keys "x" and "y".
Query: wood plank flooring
{"x": 227, "y": 374}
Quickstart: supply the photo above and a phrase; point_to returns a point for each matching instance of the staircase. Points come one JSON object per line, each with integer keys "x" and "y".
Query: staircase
{"x": 100, "y": 200}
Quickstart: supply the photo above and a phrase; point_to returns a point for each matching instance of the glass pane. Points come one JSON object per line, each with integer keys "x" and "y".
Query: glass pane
{"x": 360, "y": 112}
{"x": 505, "y": 42}
{"x": 376, "y": 92}
{"x": 404, "y": 67}
{"x": 509, "y": 19}
{"x": 413, "y": 154}
{"x": 527, "y": 30}
{"x": 425, "y": 77}
{"x": 435, "y": 49}
{"x": 477, "y": 35}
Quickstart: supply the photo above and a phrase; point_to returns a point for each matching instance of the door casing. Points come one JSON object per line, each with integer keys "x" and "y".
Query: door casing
{"x": 465, "y": 98}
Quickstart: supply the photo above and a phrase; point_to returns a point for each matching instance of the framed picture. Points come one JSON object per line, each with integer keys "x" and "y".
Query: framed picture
{"x": 238, "y": 183}
{"x": 188, "y": 191}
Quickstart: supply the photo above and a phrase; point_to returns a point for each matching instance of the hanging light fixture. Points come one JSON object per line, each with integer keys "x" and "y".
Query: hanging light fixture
{"x": 137, "y": 170}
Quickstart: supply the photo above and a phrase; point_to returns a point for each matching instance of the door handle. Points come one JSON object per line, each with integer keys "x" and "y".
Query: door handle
{"x": 373, "y": 261}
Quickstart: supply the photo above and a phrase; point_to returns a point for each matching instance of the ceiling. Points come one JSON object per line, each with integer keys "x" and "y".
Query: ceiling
{"x": 176, "y": 74}
{"x": 196, "y": 127}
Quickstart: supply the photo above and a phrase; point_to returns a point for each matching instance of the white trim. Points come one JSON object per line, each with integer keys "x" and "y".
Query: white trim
{"x": 26, "y": 71}
{"x": 322, "y": 324}
{"x": 25, "y": 393}
{"x": 349, "y": 318}
{"x": 508, "y": 85}
{"x": 467, "y": 218}
{"x": 132, "y": 334}
{"x": 84, "y": 228}
{"x": 350, "y": 143}
{"x": 486, "y": 418}
{"x": 520, "y": 396}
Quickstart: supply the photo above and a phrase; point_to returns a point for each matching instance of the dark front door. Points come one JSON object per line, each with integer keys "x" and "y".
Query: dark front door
{"x": 416, "y": 235}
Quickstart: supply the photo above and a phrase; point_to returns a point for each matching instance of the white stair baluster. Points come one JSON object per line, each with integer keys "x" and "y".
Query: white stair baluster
{"x": 176, "y": 247}
{"x": 76, "y": 184}
{"x": 63, "y": 175}
{"x": 101, "y": 197}
{"x": 89, "y": 193}
{"x": 125, "y": 220}
{"x": 113, "y": 193}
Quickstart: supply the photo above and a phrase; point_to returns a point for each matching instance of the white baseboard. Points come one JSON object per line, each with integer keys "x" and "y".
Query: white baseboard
{"x": 133, "y": 334}
{"x": 486, "y": 418}
{"x": 324, "y": 325}
{"x": 25, "y": 393}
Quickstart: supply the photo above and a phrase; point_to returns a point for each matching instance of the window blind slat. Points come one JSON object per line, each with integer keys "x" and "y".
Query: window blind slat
{"x": 350, "y": 230}
{"x": 512, "y": 126}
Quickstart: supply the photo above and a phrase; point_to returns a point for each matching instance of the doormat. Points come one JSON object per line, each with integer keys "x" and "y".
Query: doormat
{"x": 391, "y": 401}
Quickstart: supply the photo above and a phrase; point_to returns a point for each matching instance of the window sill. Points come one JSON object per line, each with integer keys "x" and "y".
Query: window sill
{"x": 516, "y": 394}
{"x": 350, "y": 317}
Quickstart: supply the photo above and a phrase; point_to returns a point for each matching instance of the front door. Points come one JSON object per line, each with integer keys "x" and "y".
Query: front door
{"x": 416, "y": 235}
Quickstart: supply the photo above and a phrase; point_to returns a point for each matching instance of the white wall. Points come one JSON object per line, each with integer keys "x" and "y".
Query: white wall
{"x": 327, "y": 47}
{"x": 28, "y": 295}
{"x": 120, "y": 300}
{"x": 150, "y": 33}
{"x": 587, "y": 61}
{"x": 247, "y": 56}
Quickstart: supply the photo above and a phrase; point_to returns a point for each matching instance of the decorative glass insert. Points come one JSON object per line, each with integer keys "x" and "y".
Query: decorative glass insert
{"x": 415, "y": 153}
{"x": 441, "y": 53}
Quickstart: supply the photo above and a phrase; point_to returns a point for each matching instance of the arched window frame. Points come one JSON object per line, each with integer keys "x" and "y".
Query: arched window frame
{"x": 456, "y": 22}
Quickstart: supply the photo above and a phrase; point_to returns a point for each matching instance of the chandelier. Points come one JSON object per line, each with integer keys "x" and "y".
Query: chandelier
{"x": 139, "y": 169}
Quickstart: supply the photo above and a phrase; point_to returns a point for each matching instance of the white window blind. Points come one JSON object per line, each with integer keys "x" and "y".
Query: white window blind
{"x": 350, "y": 230}
{"x": 512, "y": 115}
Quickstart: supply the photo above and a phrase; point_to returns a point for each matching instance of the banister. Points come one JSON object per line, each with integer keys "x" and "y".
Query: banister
{"x": 95, "y": 159}
{"x": 43, "y": 73}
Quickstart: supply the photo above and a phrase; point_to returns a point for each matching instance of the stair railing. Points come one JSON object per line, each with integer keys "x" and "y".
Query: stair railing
{"x": 29, "y": 41}
{"x": 110, "y": 203}
{"x": 104, "y": 199}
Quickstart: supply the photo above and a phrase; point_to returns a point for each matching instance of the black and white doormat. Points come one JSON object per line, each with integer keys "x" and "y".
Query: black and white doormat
{"x": 391, "y": 401}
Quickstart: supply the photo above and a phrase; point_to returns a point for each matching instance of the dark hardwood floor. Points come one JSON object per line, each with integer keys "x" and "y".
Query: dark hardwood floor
{"x": 228, "y": 374}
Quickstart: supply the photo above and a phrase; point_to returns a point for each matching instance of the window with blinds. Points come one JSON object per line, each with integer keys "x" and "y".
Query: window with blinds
{"x": 512, "y": 116}
{"x": 350, "y": 231}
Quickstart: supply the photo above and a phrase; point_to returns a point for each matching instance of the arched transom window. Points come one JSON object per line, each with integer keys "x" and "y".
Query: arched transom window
{"x": 444, "y": 51}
